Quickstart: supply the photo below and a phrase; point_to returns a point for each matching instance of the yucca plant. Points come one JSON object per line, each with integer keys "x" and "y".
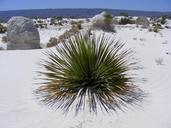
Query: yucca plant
{"x": 88, "y": 72}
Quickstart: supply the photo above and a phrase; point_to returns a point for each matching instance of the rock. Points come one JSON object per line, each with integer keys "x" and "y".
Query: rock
{"x": 22, "y": 34}
{"x": 143, "y": 21}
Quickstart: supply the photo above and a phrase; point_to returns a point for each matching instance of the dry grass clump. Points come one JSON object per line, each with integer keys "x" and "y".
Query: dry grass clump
{"x": 77, "y": 25}
{"x": 54, "y": 41}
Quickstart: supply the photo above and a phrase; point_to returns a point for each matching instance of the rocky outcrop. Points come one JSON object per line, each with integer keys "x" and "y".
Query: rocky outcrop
{"x": 22, "y": 34}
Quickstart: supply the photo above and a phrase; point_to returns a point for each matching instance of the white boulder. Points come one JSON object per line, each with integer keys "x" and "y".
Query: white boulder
{"x": 22, "y": 34}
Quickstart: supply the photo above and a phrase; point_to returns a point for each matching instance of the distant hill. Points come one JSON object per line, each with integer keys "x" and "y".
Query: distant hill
{"x": 78, "y": 13}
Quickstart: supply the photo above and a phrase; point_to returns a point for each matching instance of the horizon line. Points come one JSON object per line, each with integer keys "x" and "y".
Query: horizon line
{"x": 84, "y": 8}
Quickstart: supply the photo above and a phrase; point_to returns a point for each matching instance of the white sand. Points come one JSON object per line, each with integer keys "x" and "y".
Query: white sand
{"x": 19, "y": 109}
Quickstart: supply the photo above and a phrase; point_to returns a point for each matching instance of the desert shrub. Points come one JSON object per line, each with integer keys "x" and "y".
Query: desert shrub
{"x": 77, "y": 26}
{"x": 104, "y": 22}
{"x": 77, "y": 22}
{"x": 108, "y": 18}
{"x": 53, "y": 21}
{"x": 56, "y": 21}
{"x": 161, "y": 20}
{"x": 3, "y": 29}
{"x": 35, "y": 17}
{"x": 108, "y": 21}
{"x": 104, "y": 27}
{"x": 73, "y": 31}
{"x": 150, "y": 30}
{"x": 156, "y": 27}
{"x": 41, "y": 25}
{"x": 73, "y": 17}
{"x": 143, "y": 21}
{"x": 115, "y": 21}
{"x": 81, "y": 21}
{"x": 60, "y": 24}
{"x": 5, "y": 39}
{"x": 86, "y": 71}
{"x": 73, "y": 22}
{"x": 52, "y": 42}
{"x": 87, "y": 20}
{"x": 134, "y": 38}
{"x": 39, "y": 21}
{"x": 59, "y": 18}
{"x": 1, "y": 48}
{"x": 142, "y": 39}
{"x": 159, "y": 61}
{"x": 126, "y": 20}
{"x": 124, "y": 14}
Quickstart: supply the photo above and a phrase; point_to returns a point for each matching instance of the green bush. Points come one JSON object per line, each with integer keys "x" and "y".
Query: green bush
{"x": 156, "y": 27}
{"x": 3, "y": 29}
{"x": 41, "y": 25}
{"x": 39, "y": 21}
{"x": 108, "y": 18}
{"x": 126, "y": 20}
{"x": 56, "y": 21}
{"x": 161, "y": 20}
{"x": 124, "y": 14}
{"x": 106, "y": 24}
{"x": 59, "y": 18}
{"x": 88, "y": 71}
{"x": 150, "y": 30}
{"x": 5, "y": 39}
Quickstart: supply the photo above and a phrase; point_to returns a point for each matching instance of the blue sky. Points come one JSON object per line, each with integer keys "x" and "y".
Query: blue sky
{"x": 150, "y": 5}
